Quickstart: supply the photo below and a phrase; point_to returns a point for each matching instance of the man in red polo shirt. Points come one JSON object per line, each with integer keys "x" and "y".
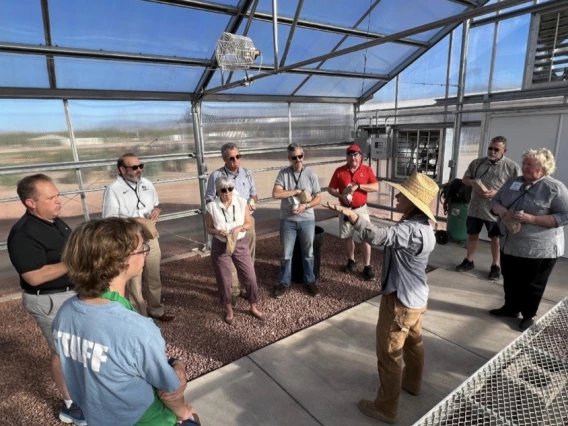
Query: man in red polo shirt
{"x": 351, "y": 183}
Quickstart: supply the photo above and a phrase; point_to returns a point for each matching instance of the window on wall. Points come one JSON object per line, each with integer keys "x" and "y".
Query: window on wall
{"x": 548, "y": 55}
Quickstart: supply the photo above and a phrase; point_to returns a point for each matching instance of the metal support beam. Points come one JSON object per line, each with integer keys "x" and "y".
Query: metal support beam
{"x": 459, "y": 110}
{"x": 76, "y": 158}
{"x": 275, "y": 32}
{"x": 417, "y": 30}
{"x": 47, "y": 34}
{"x": 201, "y": 166}
{"x": 35, "y": 93}
{"x": 538, "y": 8}
{"x": 71, "y": 52}
{"x": 466, "y": 3}
{"x": 232, "y": 27}
{"x": 289, "y": 123}
{"x": 207, "y": 6}
{"x": 292, "y": 31}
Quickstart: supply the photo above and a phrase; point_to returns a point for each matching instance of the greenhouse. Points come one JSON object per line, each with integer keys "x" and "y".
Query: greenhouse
{"x": 415, "y": 89}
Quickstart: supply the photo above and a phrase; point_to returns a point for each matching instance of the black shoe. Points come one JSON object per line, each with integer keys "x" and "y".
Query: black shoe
{"x": 503, "y": 311}
{"x": 279, "y": 291}
{"x": 525, "y": 323}
{"x": 233, "y": 301}
{"x": 466, "y": 265}
{"x": 368, "y": 273}
{"x": 351, "y": 266}
{"x": 312, "y": 289}
{"x": 494, "y": 273}
{"x": 73, "y": 414}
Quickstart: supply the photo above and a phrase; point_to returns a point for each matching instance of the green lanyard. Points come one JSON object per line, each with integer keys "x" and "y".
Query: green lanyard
{"x": 116, "y": 297}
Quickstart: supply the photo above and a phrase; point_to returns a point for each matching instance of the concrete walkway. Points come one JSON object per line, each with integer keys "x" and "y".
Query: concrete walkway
{"x": 316, "y": 376}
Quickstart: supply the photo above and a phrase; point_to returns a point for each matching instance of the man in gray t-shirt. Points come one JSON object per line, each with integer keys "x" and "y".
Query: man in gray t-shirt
{"x": 299, "y": 191}
{"x": 486, "y": 175}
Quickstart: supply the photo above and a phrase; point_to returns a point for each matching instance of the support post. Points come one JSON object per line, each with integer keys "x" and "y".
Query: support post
{"x": 201, "y": 166}
{"x": 275, "y": 32}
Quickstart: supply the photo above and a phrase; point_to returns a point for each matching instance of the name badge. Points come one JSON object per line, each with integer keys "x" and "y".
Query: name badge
{"x": 515, "y": 186}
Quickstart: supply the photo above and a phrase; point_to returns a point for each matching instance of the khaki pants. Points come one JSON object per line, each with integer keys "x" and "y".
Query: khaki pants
{"x": 150, "y": 281}
{"x": 250, "y": 238}
{"x": 399, "y": 336}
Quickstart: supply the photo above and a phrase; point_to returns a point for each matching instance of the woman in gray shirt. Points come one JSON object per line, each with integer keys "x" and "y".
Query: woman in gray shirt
{"x": 535, "y": 207}
{"x": 405, "y": 292}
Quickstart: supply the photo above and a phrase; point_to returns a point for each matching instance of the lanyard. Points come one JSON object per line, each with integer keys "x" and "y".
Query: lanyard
{"x": 233, "y": 176}
{"x": 523, "y": 193}
{"x": 294, "y": 176}
{"x": 225, "y": 216}
{"x": 485, "y": 172}
{"x": 135, "y": 189}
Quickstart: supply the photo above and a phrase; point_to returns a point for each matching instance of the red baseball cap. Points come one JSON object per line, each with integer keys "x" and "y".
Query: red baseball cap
{"x": 353, "y": 148}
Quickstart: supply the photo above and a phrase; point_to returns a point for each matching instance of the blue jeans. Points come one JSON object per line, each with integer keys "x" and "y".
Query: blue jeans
{"x": 305, "y": 230}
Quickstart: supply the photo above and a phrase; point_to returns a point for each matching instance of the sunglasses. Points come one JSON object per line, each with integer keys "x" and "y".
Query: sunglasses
{"x": 235, "y": 158}
{"x": 297, "y": 157}
{"x": 353, "y": 153}
{"x": 136, "y": 167}
{"x": 225, "y": 190}
{"x": 493, "y": 149}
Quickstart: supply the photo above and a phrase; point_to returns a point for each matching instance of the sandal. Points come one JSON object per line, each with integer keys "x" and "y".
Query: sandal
{"x": 261, "y": 317}
{"x": 229, "y": 320}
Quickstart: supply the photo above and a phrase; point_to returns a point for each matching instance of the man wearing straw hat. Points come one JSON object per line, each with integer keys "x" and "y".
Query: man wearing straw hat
{"x": 408, "y": 245}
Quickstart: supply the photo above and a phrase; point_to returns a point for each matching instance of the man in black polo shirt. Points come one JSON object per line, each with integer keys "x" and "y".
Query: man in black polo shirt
{"x": 35, "y": 245}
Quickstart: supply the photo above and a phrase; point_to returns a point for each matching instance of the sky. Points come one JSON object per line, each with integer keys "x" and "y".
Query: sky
{"x": 147, "y": 27}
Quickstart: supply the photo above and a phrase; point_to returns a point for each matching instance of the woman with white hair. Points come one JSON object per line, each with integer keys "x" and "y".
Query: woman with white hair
{"x": 228, "y": 219}
{"x": 533, "y": 209}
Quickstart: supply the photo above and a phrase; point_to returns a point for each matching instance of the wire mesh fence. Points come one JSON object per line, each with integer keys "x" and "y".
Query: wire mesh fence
{"x": 526, "y": 384}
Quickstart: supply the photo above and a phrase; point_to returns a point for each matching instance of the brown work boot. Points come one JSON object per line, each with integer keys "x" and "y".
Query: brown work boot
{"x": 368, "y": 408}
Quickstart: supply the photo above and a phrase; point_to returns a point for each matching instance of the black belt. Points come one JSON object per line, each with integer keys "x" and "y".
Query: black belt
{"x": 48, "y": 291}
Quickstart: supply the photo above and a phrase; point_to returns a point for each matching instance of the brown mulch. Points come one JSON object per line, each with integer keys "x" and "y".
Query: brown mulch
{"x": 198, "y": 335}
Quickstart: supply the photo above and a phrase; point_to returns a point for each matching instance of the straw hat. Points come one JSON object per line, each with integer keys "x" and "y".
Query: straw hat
{"x": 420, "y": 190}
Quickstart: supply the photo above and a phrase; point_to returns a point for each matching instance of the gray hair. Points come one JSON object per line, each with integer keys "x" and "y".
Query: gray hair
{"x": 227, "y": 147}
{"x": 223, "y": 182}
{"x": 501, "y": 139}
{"x": 293, "y": 147}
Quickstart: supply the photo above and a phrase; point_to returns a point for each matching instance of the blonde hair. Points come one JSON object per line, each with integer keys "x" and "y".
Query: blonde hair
{"x": 544, "y": 157}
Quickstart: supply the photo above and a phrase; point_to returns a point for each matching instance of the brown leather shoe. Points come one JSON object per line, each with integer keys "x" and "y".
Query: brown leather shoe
{"x": 164, "y": 318}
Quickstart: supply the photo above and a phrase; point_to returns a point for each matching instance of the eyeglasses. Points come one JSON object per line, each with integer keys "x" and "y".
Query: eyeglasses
{"x": 135, "y": 167}
{"x": 353, "y": 153}
{"x": 297, "y": 157}
{"x": 225, "y": 190}
{"x": 145, "y": 250}
{"x": 493, "y": 149}
{"x": 235, "y": 158}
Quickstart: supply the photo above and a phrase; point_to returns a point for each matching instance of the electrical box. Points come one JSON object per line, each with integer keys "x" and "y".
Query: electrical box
{"x": 380, "y": 147}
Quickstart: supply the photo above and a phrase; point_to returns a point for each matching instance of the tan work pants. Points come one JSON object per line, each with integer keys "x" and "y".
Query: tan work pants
{"x": 250, "y": 238}
{"x": 399, "y": 336}
{"x": 150, "y": 281}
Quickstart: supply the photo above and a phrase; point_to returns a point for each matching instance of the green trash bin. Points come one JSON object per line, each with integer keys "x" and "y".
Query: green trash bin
{"x": 457, "y": 216}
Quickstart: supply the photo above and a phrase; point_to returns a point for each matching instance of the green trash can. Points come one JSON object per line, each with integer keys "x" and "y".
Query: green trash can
{"x": 457, "y": 216}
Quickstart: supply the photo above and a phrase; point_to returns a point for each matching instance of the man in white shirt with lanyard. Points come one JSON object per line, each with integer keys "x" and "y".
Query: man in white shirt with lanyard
{"x": 131, "y": 195}
{"x": 245, "y": 187}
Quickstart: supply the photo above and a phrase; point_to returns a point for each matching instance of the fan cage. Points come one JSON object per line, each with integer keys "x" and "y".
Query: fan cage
{"x": 235, "y": 52}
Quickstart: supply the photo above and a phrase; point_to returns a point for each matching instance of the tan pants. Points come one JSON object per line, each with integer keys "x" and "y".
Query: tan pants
{"x": 150, "y": 281}
{"x": 250, "y": 237}
{"x": 399, "y": 336}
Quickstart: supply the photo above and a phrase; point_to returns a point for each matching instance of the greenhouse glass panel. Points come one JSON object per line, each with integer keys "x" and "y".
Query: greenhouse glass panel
{"x": 335, "y": 86}
{"x": 23, "y": 70}
{"x": 75, "y": 73}
{"x": 307, "y": 44}
{"x": 32, "y": 132}
{"x": 519, "y": 6}
{"x": 21, "y": 21}
{"x": 322, "y": 123}
{"x": 260, "y": 33}
{"x": 381, "y": 59}
{"x": 426, "y": 78}
{"x": 455, "y": 61}
{"x": 512, "y": 43}
{"x": 341, "y": 13}
{"x": 479, "y": 59}
{"x": 135, "y": 26}
{"x": 248, "y": 124}
{"x": 285, "y": 8}
{"x": 383, "y": 98}
{"x": 280, "y": 84}
{"x": 488, "y": 15}
{"x": 393, "y": 16}
{"x": 108, "y": 129}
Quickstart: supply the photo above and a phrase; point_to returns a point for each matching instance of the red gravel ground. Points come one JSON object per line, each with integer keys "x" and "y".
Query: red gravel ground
{"x": 198, "y": 335}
